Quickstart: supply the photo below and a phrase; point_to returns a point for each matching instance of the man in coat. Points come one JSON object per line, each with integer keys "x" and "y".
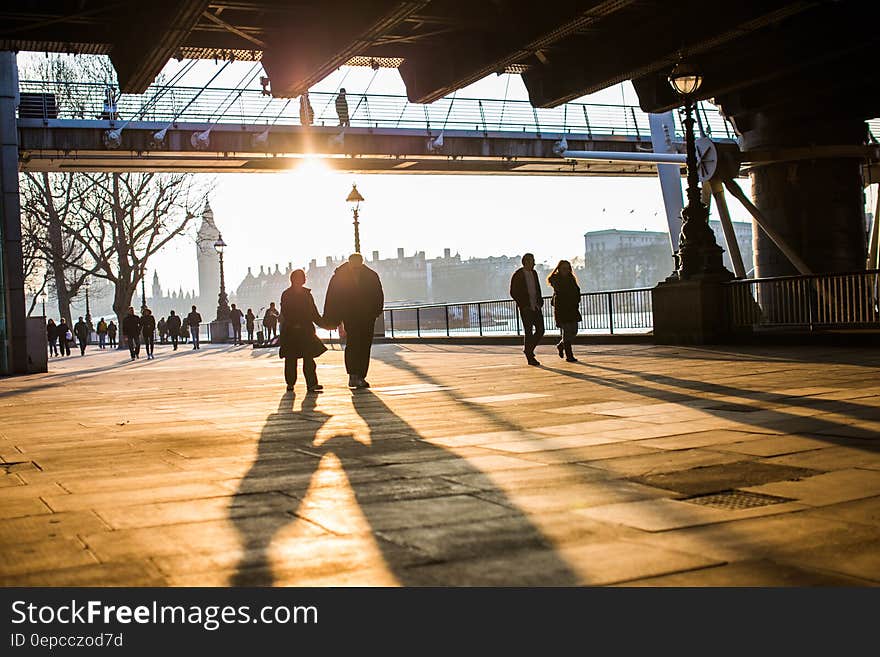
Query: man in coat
{"x": 81, "y": 331}
{"x": 342, "y": 109}
{"x": 355, "y": 298}
{"x": 172, "y": 325}
{"x": 525, "y": 289}
{"x": 131, "y": 329}
{"x": 298, "y": 339}
{"x": 235, "y": 316}
{"x": 193, "y": 320}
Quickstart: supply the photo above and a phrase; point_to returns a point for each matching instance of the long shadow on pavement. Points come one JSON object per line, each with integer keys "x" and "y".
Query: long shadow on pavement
{"x": 416, "y": 517}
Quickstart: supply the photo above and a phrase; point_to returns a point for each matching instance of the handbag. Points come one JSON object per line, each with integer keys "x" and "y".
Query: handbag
{"x": 68, "y": 336}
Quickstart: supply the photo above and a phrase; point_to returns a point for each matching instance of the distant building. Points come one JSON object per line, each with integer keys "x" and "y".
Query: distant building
{"x": 621, "y": 259}
{"x": 209, "y": 264}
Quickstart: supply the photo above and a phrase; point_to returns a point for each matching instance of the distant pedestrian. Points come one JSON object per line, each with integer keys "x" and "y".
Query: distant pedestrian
{"x": 101, "y": 330}
{"x": 235, "y": 316}
{"x": 52, "y": 337}
{"x": 173, "y": 328}
{"x": 270, "y": 321}
{"x": 298, "y": 339}
{"x": 148, "y": 330}
{"x": 249, "y": 320}
{"x": 81, "y": 331}
{"x": 193, "y": 320}
{"x": 525, "y": 288}
{"x": 342, "y": 109}
{"x": 355, "y": 298}
{"x": 306, "y": 113}
{"x": 111, "y": 333}
{"x": 566, "y": 307}
{"x": 161, "y": 327}
{"x": 131, "y": 329}
{"x": 65, "y": 335}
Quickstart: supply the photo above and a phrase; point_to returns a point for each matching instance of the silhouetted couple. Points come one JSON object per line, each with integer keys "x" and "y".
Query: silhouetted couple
{"x": 354, "y": 298}
{"x": 525, "y": 289}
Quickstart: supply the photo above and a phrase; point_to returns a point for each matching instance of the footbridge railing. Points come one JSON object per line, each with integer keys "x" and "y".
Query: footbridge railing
{"x": 86, "y": 101}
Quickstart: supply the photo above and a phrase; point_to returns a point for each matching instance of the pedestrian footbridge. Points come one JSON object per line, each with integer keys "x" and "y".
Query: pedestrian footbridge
{"x": 73, "y": 127}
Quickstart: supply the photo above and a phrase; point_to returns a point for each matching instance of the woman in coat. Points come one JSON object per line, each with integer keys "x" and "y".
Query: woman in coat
{"x": 65, "y": 335}
{"x": 298, "y": 339}
{"x": 566, "y": 306}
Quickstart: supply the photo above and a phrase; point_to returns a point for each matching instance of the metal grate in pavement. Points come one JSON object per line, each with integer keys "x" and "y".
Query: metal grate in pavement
{"x": 736, "y": 500}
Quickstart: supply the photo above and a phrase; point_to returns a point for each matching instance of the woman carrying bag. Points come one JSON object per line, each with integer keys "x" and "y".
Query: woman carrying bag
{"x": 298, "y": 339}
{"x": 566, "y": 306}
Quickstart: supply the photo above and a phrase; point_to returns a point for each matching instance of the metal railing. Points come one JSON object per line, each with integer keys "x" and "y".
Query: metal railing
{"x": 812, "y": 302}
{"x": 160, "y": 103}
{"x": 607, "y": 312}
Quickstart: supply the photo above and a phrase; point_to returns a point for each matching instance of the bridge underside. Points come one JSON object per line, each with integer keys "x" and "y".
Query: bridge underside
{"x": 61, "y": 146}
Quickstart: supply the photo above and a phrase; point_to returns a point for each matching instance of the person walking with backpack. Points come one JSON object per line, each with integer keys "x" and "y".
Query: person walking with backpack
{"x": 173, "y": 328}
{"x": 193, "y": 320}
{"x": 81, "y": 330}
{"x": 298, "y": 338}
{"x": 101, "y": 330}
{"x": 525, "y": 289}
{"x": 148, "y": 330}
{"x": 131, "y": 329}
{"x": 566, "y": 303}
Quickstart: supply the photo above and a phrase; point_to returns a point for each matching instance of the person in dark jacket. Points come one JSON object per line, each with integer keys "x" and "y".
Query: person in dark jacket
{"x": 52, "y": 337}
{"x": 298, "y": 339}
{"x": 148, "y": 330}
{"x": 172, "y": 325}
{"x": 162, "y": 327}
{"x": 355, "y": 298}
{"x": 192, "y": 321}
{"x": 235, "y": 316}
{"x": 342, "y": 109}
{"x": 249, "y": 320}
{"x": 65, "y": 335}
{"x": 111, "y": 333}
{"x": 270, "y": 322}
{"x": 525, "y": 289}
{"x": 566, "y": 306}
{"x": 101, "y": 330}
{"x": 81, "y": 331}
{"x": 131, "y": 329}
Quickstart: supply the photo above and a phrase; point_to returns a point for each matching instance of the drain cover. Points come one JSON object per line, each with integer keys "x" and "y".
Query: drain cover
{"x": 735, "y": 500}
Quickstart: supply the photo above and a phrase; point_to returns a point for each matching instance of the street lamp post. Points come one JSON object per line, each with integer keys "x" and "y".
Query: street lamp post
{"x": 43, "y": 300}
{"x": 88, "y": 308}
{"x": 354, "y": 196}
{"x": 698, "y": 254}
{"x": 222, "y": 300}
{"x": 143, "y": 292}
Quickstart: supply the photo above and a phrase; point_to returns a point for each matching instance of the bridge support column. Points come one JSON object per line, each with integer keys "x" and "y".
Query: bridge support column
{"x": 13, "y": 332}
{"x": 816, "y": 206}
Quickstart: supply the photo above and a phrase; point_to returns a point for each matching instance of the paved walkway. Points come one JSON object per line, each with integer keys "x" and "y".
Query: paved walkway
{"x": 461, "y": 466}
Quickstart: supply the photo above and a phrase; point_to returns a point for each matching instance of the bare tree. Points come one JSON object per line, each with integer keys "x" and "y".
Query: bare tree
{"x": 51, "y": 205}
{"x": 127, "y": 218}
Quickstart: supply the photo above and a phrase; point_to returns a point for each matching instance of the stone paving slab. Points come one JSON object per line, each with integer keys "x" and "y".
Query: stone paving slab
{"x": 460, "y": 466}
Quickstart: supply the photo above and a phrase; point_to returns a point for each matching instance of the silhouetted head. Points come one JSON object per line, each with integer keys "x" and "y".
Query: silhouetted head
{"x": 271, "y": 304}
{"x": 342, "y": 91}
{"x": 172, "y": 313}
{"x": 297, "y": 277}
{"x": 194, "y": 308}
{"x": 233, "y": 306}
{"x": 528, "y": 261}
{"x": 131, "y": 310}
{"x": 80, "y": 318}
{"x": 562, "y": 270}
{"x": 146, "y": 311}
{"x": 356, "y": 260}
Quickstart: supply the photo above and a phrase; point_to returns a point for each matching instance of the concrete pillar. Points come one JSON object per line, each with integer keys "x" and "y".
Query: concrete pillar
{"x": 13, "y": 328}
{"x": 817, "y": 206}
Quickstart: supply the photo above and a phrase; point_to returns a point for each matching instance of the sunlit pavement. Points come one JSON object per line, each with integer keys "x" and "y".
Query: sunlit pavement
{"x": 460, "y": 466}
